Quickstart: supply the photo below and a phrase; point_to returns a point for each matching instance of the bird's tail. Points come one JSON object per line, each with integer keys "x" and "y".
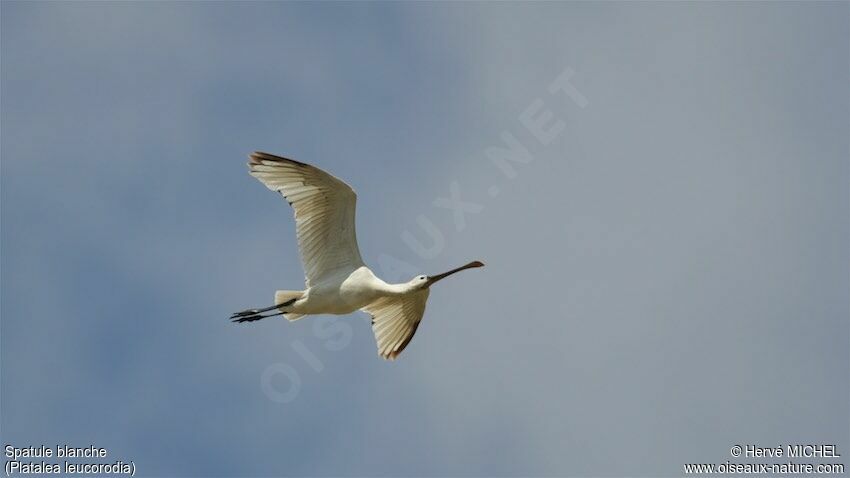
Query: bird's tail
{"x": 283, "y": 296}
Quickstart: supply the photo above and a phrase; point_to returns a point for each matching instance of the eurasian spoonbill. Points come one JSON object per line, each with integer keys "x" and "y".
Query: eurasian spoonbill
{"x": 337, "y": 280}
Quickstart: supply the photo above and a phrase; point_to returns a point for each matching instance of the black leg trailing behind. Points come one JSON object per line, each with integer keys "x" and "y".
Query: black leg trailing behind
{"x": 252, "y": 315}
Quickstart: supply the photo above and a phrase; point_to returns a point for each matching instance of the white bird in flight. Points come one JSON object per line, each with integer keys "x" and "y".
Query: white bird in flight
{"x": 337, "y": 280}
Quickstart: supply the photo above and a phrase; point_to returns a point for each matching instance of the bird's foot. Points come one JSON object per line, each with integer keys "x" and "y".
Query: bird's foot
{"x": 252, "y": 317}
{"x": 245, "y": 318}
{"x": 245, "y": 313}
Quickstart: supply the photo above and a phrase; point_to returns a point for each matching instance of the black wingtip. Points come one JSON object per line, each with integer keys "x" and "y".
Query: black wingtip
{"x": 258, "y": 157}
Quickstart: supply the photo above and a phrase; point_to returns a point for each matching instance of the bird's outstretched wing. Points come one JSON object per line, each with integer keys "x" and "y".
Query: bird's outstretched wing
{"x": 395, "y": 320}
{"x": 324, "y": 213}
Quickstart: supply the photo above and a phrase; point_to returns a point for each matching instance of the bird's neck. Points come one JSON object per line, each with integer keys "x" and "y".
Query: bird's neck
{"x": 395, "y": 290}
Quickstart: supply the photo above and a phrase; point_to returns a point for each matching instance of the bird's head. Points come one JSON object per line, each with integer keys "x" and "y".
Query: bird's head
{"x": 424, "y": 282}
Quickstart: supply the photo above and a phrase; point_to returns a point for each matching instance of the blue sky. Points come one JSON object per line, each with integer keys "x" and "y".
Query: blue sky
{"x": 666, "y": 278}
